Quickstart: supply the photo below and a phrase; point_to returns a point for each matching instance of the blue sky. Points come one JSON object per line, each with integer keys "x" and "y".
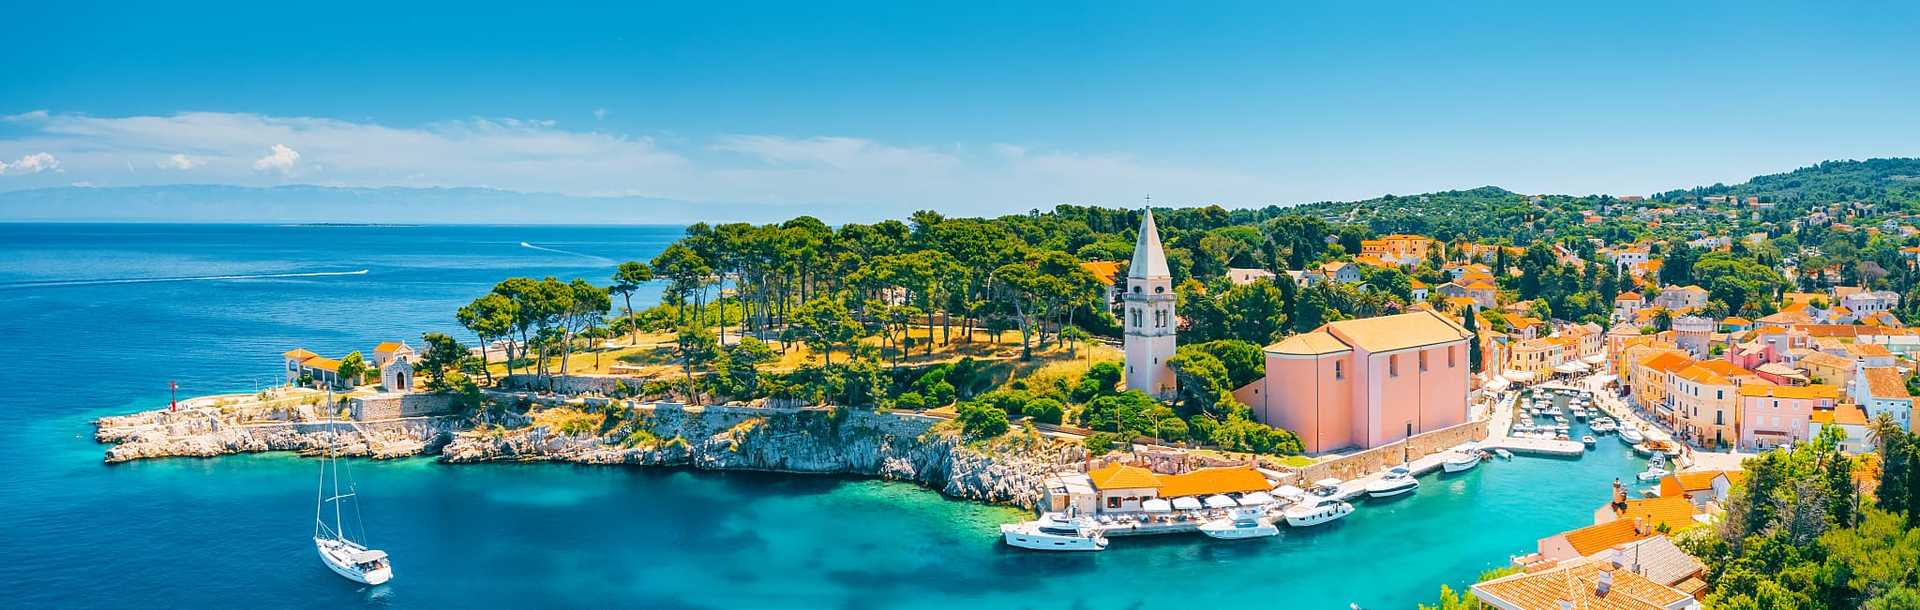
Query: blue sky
{"x": 975, "y": 107}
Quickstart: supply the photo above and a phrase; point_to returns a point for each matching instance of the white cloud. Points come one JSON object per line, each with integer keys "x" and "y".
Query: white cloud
{"x": 180, "y": 162}
{"x": 541, "y": 156}
{"x": 599, "y": 113}
{"x": 835, "y": 152}
{"x": 281, "y": 159}
{"x": 31, "y": 164}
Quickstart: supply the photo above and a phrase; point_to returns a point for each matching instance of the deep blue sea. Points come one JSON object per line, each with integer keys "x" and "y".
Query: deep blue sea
{"x": 79, "y": 340}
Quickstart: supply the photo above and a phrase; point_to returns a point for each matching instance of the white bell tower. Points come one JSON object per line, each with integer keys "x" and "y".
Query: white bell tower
{"x": 1148, "y": 316}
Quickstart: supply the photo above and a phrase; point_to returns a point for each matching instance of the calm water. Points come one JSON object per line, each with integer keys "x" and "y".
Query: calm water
{"x": 233, "y": 531}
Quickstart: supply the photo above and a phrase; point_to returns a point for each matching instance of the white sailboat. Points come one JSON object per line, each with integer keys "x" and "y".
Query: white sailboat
{"x": 345, "y": 556}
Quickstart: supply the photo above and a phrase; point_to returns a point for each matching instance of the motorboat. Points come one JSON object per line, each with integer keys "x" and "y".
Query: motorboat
{"x": 1652, "y": 473}
{"x": 1398, "y": 480}
{"x": 1504, "y": 454}
{"x": 1631, "y": 435}
{"x": 1055, "y": 532}
{"x": 1589, "y": 440}
{"x": 343, "y": 554}
{"x": 1242, "y": 523}
{"x": 1461, "y": 461}
{"x": 1316, "y": 512}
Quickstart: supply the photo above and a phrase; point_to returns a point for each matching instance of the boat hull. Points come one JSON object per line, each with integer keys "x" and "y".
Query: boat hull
{"x": 1461, "y": 466}
{"x": 1233, "y": 531}
{"x": 1018, "y": 538}
{"x": 1389, "y": 492}
{"x": 346, "y": 569}
{"x": 1325, "y": 515}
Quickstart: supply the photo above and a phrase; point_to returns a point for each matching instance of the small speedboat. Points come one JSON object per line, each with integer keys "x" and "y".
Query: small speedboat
{"x": 1243, "y": 523}
{"x": 1316, "y": 512}
{"x": 1589, "y": 440}
{"x": 1398, "y": 480}
{"x": 1461, "y": 461}
{"x": 1652, "y": 473}
{"x": 1504, "y": 454}
{"x": 1631, "y": 435}
{"x": 1055, "y": 532}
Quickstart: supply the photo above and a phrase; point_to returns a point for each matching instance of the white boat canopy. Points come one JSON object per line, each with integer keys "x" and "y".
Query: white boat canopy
{"x": 1157, "y": 505}
{"x": 1288, "y": 491}
{"x": 1327, "y": 482}
{"x": 1220, "y": 501}
{"x": 1258, "y": 498}
{"x": 1188, "y": 503}
{"x": 366, "y": 556}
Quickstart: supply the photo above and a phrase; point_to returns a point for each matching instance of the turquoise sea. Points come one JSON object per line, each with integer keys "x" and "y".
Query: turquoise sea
{"x": 80, "y": 341}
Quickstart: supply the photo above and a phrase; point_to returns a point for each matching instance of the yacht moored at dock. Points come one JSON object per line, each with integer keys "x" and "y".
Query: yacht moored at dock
{"x": 1316, "y": 511}
{"x": 1241, "y": 524}
{"x": 1397, "y": 481}
{"x": 1055, "y": 532}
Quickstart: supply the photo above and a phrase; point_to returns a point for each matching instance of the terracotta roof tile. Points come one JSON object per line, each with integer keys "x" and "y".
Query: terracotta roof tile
{"x": 1885, "y": 382}
{"x": 1595, "y": 538}
{"x": 1578, "y": 581}
{"x": 1122, "y": 476}
{"x": 1209, "y": 481}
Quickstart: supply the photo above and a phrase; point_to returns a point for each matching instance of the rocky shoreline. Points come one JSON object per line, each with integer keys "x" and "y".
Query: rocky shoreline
{"x": 896, "y": 446}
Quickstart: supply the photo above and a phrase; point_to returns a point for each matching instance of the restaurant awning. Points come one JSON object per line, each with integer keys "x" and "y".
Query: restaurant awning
{"x": 1221, "y": 501}
{"x": 1186, "y": 503}
{"x": 1157, "y": 505}
{"x": 1594, "y": 359}
{"x": 1258, "y": 498}
{"x": 1498, "y": 383}
{"x": 1571, "y": 367}
{"x": 1518, "y": 376}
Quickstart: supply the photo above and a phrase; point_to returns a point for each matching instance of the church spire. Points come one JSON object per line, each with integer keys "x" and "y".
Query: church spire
{"x": 1148, "y": 260}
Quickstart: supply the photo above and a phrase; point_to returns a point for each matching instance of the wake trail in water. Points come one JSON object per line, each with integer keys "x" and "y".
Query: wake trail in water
{"x": 602, "y": 259}
{"x": 152, "y": 280}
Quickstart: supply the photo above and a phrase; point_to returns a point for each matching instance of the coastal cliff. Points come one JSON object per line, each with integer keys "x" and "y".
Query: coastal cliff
{"x": 896, "y": 446}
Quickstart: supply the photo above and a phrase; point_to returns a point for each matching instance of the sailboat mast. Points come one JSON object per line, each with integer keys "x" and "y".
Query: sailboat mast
{"x": 333, "y": 437}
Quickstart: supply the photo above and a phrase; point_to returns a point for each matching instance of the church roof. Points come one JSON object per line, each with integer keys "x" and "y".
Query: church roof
{"x": 1148, "y": 260}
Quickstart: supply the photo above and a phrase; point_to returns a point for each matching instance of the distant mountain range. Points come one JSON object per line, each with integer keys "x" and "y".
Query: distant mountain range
{"x": 1879, "y": 180}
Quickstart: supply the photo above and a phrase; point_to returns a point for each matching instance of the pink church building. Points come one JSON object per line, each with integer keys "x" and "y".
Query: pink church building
{"x": 1367, "y": 382}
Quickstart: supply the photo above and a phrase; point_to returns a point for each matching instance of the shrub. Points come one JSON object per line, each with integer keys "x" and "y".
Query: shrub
{"x": 911, "y": 400}
{"x": 1100, "y": 443}
{"x": 981, "y": 421}
{"x": 1046, "y": 410}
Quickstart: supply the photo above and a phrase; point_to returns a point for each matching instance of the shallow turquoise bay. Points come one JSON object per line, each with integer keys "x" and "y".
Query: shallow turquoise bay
{"x": 233, "y": 531}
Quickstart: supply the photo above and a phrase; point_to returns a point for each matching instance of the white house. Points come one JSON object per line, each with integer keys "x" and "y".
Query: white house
{"x": 1248, "y": 276}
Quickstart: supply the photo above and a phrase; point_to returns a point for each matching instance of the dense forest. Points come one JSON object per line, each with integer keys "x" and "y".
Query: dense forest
{"x": 1894, "y": 182}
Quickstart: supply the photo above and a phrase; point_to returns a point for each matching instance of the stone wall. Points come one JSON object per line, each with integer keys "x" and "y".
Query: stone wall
{"x": 570, "y": 384}
{"x": 1356, "y": 465}
{"x": 388, "y": 405}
